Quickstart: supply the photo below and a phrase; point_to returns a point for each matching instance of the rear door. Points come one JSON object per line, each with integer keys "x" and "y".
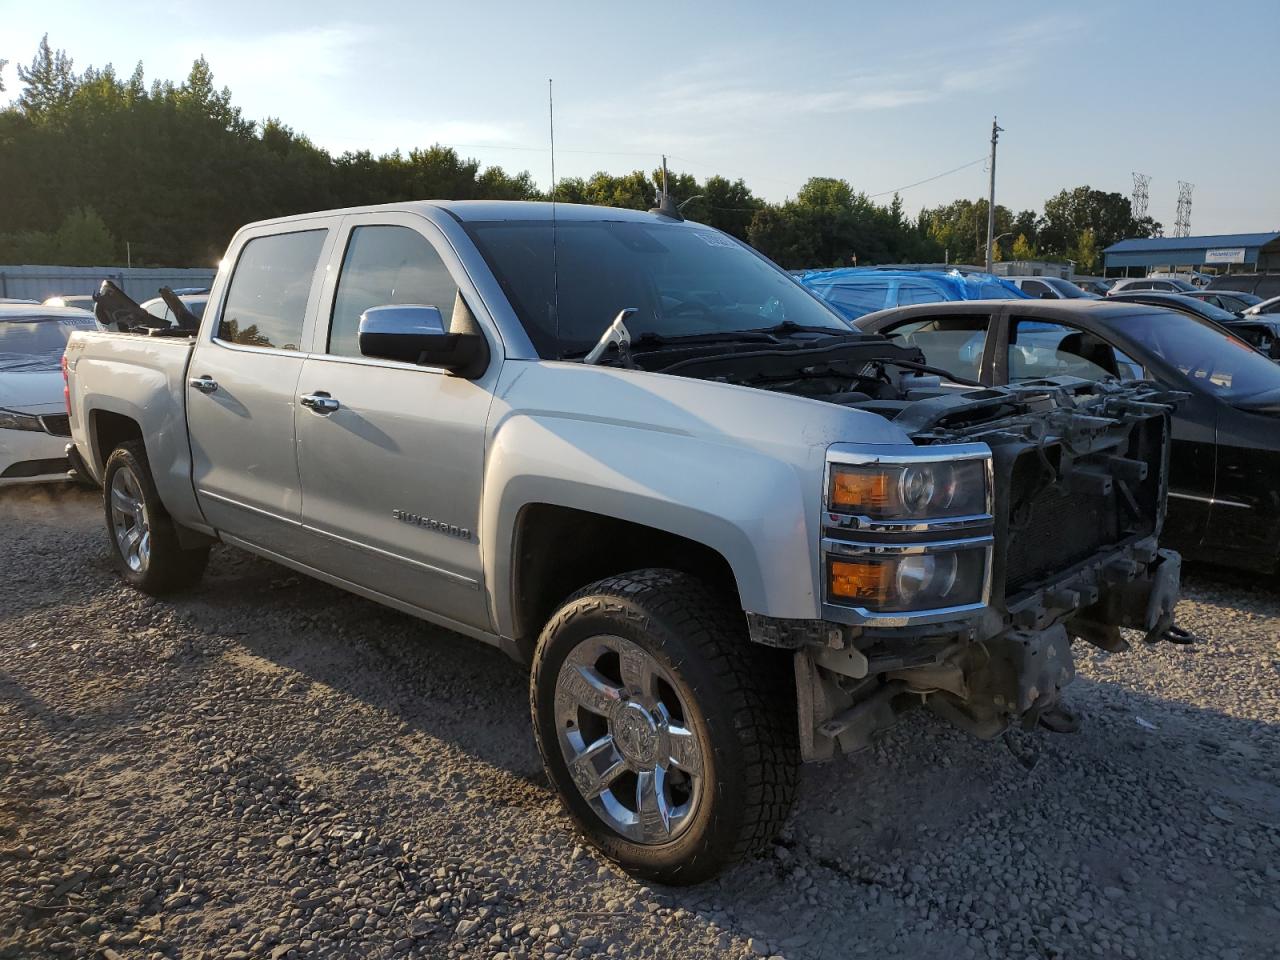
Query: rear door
{"x": 391, "y": 478}
{"x": 242, "y": 383}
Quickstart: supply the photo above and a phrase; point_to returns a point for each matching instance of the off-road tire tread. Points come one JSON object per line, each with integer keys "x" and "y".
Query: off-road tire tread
{"x": 756, "y": 680}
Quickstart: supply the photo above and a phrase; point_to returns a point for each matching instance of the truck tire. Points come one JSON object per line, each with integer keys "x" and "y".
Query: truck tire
{"x": 670, "y": 738}
{"x": 144, "y": 543}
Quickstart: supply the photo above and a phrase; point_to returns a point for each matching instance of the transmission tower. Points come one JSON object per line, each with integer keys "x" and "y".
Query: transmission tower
{"x": 1182, "y": 225}
{"x": 1139, "y": 202}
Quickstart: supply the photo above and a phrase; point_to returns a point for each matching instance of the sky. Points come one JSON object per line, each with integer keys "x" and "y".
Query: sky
{"x": 883, "y": 95}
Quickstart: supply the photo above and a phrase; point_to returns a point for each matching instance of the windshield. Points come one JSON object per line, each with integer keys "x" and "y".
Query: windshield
{"x": 1212, "y": 312}
{"x": 36, "y": 343}
{"x": 1069, "y": 291}
{"x": 682, "y": 280}
{"x": 1212, "y": 360}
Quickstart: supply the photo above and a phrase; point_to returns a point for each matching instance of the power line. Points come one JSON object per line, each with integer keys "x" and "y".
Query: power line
{"x": 945, "y": 173}
{"x": 693, "y": 162}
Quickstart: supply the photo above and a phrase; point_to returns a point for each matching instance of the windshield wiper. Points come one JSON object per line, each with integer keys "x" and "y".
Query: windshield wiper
{"x": 651, "y": 339}
{"x": 753, "y": 335}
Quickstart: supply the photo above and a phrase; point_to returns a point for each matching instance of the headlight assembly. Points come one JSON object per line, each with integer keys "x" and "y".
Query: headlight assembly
{"x": 910, "y": 491}
{"x": 905, "y": 582}
{"x": 13, "y": 420}
{"x": 907, "y": 531}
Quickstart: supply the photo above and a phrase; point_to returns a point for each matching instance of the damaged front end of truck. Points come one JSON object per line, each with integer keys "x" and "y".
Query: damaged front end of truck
{"x": 958, "y": 571}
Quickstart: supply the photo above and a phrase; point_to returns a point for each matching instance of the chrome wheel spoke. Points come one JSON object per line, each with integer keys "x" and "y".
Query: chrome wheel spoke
{"x": 581, "y": 686}
{"x": 129, "y": 520}
{"x": 596, "y": 767}
{"x": 637, "y": 671}
{"x": 684, "y": 751}
{"x": 651, "y": 805}
{"x": 637, "y": 768}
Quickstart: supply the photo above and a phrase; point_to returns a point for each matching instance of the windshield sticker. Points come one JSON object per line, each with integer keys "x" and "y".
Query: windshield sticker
{"x": 713, "y": 239}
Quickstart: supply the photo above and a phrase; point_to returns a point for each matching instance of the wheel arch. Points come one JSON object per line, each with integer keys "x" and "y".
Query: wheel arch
{"x": 558, "y": 549}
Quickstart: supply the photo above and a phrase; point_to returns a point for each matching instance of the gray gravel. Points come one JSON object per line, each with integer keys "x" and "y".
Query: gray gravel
{"x": 267, "y": 767}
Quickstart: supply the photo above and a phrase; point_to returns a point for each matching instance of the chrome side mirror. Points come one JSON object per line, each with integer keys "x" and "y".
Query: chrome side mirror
{"x": 416, "y": 333}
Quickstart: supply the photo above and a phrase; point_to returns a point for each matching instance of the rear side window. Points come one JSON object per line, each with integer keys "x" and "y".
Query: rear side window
{"x": 955, "y": 343}
{"x": 1034, "y": 288}
{"x": 267, "y": 301}
{"x": 386, "y": 265}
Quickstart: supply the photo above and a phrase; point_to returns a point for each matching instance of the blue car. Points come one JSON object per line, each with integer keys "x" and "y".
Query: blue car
{"x": 855, "y": 291}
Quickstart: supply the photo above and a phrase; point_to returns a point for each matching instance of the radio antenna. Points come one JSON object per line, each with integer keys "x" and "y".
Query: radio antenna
{"x": 555, "y": 261}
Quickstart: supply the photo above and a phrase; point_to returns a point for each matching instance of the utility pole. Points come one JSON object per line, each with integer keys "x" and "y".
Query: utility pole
{"x": 996, "y": 130}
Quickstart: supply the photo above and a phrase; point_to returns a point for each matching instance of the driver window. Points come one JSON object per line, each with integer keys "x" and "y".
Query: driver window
{"x": 385, "y": 265}
{"x": 954, "y": 343}
{"x": 1038, "y": 349}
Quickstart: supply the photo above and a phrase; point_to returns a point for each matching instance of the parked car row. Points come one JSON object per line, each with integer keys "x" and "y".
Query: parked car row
{"x": 34, "y": 429}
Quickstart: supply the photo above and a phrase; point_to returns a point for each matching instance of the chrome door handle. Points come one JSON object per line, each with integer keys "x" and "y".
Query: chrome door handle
{"x": 319, "y": 402}
{"x": 203, "y": 384}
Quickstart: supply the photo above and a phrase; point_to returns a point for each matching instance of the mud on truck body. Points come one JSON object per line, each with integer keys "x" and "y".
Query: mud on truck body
{"x": 725, "y": 531}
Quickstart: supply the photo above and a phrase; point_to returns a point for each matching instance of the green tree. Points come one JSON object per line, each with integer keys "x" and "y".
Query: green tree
{"x": 1069, "y": 213}
{"x": 48, "y": 82}
{"x": 1085, "y": 251}
{"x": 3, "y": 63}
{"x": 1024, "y": 249}
{"x": 83, "y": 238}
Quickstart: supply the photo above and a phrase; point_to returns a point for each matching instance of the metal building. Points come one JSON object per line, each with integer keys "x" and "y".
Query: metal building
{"x": 1234, "y": 252}
{"x": 34, "y": 282}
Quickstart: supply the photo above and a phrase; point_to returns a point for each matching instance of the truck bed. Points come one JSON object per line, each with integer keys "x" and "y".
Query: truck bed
{"x": 142, "y": 378}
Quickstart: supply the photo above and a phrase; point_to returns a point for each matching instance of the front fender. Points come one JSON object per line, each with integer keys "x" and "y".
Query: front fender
{"x": 749, "y": 507}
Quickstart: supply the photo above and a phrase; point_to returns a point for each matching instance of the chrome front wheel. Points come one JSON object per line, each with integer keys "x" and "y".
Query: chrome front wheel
{"x": 627, "y": 739}
{"x": 130, "y": 524}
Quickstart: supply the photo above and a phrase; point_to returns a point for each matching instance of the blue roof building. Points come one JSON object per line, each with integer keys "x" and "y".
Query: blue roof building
{"x": 1247, "y": 251}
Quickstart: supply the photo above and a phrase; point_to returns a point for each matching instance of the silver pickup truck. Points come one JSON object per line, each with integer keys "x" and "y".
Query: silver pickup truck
{"x": 726, "y": 531}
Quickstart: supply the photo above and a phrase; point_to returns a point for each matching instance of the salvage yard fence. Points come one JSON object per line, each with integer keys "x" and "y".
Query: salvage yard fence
{"x": 36, "y": 282}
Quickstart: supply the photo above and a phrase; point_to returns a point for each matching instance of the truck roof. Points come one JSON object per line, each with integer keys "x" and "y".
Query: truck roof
{"x": 481, "y": 210}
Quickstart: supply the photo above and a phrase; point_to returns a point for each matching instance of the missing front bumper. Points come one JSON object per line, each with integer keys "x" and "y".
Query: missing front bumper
{"x": 987, "y": 676}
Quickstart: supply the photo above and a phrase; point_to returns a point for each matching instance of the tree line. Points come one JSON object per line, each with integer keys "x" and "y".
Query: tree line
{"x": 93, "y": 159}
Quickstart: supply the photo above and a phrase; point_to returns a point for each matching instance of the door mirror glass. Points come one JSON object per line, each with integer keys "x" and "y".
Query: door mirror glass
{"x": 416, "y": 333}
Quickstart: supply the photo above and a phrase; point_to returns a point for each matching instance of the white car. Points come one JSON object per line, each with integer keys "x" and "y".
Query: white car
{"x": 1160, "y": 284}
{"x": 195, "y": 302}
{"x": 34, "y": 427}
{"x": 81, "y": 301}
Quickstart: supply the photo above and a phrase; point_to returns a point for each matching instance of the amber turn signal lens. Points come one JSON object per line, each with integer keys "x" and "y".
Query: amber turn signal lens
{"x": 856, "y": 489}
{"x": 865, "y": 580}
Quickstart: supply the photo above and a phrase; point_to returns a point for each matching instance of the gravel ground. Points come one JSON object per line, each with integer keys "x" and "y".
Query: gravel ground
{"x": 268, "y": 767}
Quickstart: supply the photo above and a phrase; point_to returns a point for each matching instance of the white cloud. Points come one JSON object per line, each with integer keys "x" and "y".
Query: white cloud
{"x": 277, "y": 68}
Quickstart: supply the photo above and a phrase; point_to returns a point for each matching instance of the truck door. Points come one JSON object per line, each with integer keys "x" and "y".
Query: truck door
{"x": 391, "y": 457}
{"x": 241, "y": 388}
